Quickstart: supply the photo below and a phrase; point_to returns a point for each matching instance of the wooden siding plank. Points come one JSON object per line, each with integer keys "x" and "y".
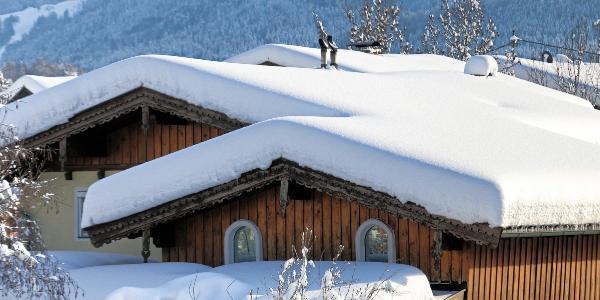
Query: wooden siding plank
{"x": 403, "y": 248}
{"x": 225, "y": 221}
{"x": 392, "y": 221}
{"x": 424, "y": 248}
{"x": 280, "y": 227}
{"x": 298, "y": 223}
{"x": 208, "y": 241}
{"x": 189, "y": 134}
{"x": 217, "y": 239}
{"x": 327, "y": 240}
{"x": 336, "y": 225}
{"x": 470, "y": 259}
{"x": 262, "y": 220}
{"x": 205, "y": 132}
{"x": 455, "y": 266}
{"x": 479, "y": 274}
{"x": 197, "y": 133}
{"x": 413, "y": 243}
{"x": 190, "y": 239}
{"x": 493, "y": 266}
{"x": 307, "y": 220}
{"x": 346, "y": 232}
{"x": 318, "y": 224}
{"x": 502, "y": 277}
{"x": 271, "y": 224}
{"x": 289, "y": 228}
{"x": 165, "y": 140}
{"x": 354, "y": 223}
{"x": 445, "y": 267}
{"x": 199, "y": 229}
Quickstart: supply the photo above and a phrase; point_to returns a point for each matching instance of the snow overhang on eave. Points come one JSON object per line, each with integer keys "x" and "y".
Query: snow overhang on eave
{"x": 279, "y": 171}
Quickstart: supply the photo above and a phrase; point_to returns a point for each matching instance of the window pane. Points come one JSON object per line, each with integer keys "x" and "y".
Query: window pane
{"x": 244, "y": 245}
{"x": 376, "y": 245}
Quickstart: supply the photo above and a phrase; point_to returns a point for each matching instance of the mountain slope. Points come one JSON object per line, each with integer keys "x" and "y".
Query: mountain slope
{"x": 108, "y": 30}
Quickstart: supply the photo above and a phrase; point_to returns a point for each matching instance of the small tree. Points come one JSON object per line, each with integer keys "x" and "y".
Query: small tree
{"x": 431, "y": 36}
{"x": 26, "y": 271}
{"x": 597, "y": 30}
{"x": 463, "y": 29}
{"x": 4, "y": 85}
{"x": 378, "y": 21}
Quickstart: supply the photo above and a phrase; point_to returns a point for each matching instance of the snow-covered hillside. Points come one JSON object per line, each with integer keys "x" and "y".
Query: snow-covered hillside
{"x": 23, "y": 21}
{"x": 109, "y": 30}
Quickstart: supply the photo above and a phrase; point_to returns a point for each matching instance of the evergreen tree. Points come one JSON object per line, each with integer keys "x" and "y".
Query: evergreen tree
{"x": 430, "y": 37}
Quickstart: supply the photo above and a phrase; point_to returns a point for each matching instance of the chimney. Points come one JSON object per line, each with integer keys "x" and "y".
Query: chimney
{"x": 323, "y": 45}
{"x": 334, "y": 50}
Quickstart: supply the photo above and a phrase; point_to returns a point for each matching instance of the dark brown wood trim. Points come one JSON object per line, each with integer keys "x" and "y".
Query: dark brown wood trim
{"x": 127, "y": 103}
{"x": 285, "y": 169}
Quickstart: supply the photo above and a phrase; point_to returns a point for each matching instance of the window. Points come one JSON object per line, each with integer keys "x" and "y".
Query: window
{"x": 375, "y": 242}
{"x": 79, "y": 198}
{"x": 242, "y": 243}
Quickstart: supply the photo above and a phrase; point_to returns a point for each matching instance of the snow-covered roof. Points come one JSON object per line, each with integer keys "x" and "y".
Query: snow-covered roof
{"x": 476, "y": 149}
{"x": 348, "y": 60}
{"x": 36, "y": 84}
{"x": 547, "y": 73}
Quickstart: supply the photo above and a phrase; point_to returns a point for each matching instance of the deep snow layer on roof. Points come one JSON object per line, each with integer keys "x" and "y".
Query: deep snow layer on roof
{"x": 498, "y": 149}
{"x": 303, "y": 57}
{"x": 36, "y": 83}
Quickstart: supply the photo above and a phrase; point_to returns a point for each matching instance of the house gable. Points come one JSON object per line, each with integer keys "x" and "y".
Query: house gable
{"x": 139, "y": 98}
{"x": 283, "y": 171}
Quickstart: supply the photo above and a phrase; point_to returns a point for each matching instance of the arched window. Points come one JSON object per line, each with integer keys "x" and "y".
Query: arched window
{"x": 242, "y": 242}
{"x": 375, "y": 242}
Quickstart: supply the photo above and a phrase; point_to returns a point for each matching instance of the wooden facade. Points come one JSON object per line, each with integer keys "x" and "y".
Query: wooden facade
{"x": 122, "y": 143}
{"x": 558, "y": 267}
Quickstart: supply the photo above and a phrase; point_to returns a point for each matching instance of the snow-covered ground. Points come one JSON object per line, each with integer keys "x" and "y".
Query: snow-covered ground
{"x": 123, "y": 277}
{"x": 26, "y": 18}
{"x": 235, "y": 281}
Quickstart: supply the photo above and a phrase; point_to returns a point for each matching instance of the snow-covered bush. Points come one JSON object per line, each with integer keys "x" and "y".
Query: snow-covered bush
{"x": 4, "y": 85}
{"x": 293, "y": 279}
{"x": 25, "y": 270}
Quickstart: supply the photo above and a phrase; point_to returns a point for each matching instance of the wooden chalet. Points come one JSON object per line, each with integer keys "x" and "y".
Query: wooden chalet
{"x": 270, "y": 207}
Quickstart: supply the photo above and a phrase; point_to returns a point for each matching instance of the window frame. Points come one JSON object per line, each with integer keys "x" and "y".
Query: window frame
{"x": 78, "y": 232}
{"x": 228, "y": 243}
{"x": 360, "y": 239}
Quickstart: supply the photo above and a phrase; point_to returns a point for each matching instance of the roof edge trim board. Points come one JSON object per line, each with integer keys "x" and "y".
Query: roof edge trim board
{"x": 130, "y": 102}
{"x": 551, "y": 230}
{"x": 284, "y": 169}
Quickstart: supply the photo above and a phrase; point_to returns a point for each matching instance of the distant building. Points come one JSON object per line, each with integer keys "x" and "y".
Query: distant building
{"x": 31, "y": 84}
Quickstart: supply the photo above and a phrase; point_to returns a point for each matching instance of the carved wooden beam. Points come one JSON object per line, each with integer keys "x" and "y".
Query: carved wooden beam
{"x": 146, "y": 245}
{"x": 62, "y": 153}
{"x": 283, "y": 195}
{"x": 145, "y": 127}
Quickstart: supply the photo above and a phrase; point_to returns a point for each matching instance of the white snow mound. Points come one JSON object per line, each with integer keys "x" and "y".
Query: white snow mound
{"x": 236, "y": 281}
{"x": 481, "y": 65}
